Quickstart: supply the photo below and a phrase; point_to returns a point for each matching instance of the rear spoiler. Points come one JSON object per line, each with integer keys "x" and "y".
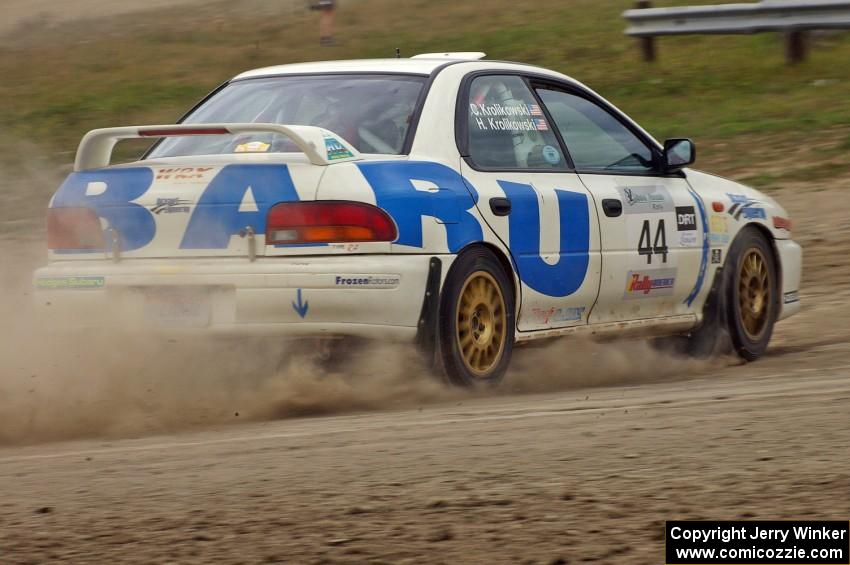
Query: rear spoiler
{"x": 321, "y": 146}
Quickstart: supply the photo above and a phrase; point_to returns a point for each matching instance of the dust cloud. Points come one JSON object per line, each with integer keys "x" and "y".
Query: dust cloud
{"x": 56, "y": 387}
{"x": 571, "y": 363}
{"x": 129, "y": 384}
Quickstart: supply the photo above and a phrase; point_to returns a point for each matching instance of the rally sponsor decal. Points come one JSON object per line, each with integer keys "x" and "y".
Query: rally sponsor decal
{"x": 719, "y": 230}
{"x": 748, "y": 208}
{"x": 792, "y": 297}
{"x": 551, "y": 155}
{"x": 336, "y": 150}
{"x": 185, "y": 174}
{"x": 367, "y": 281}
{"x": 70, "y": 283}
{"x": 650, "y": 283}
{"x": 689, "y": 239}
{"x": 171, "y": 206}
{"x": 645, "y": 199}
{"x": 686, "y": 218}
{"x": 716, "y": 256}
{"x": 686, "y": 226}
{"x": 553, "y": 315}
{"x": 253, "y": 147}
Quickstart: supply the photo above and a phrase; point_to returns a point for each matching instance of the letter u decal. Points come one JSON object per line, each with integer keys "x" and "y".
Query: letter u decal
{"x": 568, "y": 274}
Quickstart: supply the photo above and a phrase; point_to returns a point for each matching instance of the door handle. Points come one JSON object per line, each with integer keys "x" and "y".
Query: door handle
{"x": 612, "y": 207}
{"x": 500, "y": 206}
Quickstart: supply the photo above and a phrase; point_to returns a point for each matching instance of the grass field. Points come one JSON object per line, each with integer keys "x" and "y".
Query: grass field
{"x": 750, "y": 113}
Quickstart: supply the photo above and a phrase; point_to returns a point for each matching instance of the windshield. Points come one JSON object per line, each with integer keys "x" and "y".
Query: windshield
{"x": 372, "y": 112}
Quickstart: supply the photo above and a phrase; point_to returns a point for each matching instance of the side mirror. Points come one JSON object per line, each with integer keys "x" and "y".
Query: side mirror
{"x": 679, "y": 153}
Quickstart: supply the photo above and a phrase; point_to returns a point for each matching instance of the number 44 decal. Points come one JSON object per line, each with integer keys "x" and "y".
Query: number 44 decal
{"x": 648, "y": 246}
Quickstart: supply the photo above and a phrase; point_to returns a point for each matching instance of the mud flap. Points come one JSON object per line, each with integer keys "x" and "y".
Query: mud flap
{"x": 426, "y": 334}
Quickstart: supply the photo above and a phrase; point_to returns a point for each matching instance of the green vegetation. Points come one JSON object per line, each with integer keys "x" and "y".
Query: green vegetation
{"x": 725, "y": 92}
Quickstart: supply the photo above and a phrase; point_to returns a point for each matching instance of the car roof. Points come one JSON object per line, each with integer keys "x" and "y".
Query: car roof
{"x": 411, "y": 66}
{"x": 417, "y": 65}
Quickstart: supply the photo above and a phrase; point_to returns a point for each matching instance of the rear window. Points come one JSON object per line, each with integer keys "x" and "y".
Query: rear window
{"x": 372, "y": 112}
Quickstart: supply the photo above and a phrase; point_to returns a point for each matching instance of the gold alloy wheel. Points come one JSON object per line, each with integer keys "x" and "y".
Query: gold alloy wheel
{"x": 481, "y": 323}
{"x": 754, "y": 293}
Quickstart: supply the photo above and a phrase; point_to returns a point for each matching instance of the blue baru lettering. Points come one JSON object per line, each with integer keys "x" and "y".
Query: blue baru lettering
{"x": 395, "y": 192}
{"x": 217, "y": 216}
{"x": 110, "y": 194}
{"x": 568, "y": 274}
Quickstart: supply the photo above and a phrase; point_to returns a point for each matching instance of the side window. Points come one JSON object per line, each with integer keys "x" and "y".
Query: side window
{"x": 507, "y": 129}
{"x": 595, "y": 139}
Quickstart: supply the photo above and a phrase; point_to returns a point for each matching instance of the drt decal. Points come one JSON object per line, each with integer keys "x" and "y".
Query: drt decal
{"x": 567, "y": 275}
{"x": 217, "y": 216}
{"x": 395, "y": 192}
{"x": 110, "y": 194}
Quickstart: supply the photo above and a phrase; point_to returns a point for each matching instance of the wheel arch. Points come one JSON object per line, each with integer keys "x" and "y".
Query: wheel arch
{"x": 506, "y": 263}
{"x": 704, "y": 338}
{"x": 720, "y": 272}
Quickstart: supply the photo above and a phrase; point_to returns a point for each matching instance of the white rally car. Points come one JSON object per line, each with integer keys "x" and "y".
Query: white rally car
{"x": 463, "y": 204}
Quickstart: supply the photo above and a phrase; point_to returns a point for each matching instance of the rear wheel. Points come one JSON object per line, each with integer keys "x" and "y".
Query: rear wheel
{"x": 476, "y": 326}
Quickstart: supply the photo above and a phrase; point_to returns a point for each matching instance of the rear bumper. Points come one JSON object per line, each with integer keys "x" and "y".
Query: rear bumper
{"x": 791, "y": 262}
{"x": 372, "y": 296}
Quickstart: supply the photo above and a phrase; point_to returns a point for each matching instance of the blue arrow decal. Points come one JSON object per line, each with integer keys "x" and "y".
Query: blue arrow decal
{"x": 301, "y": 308}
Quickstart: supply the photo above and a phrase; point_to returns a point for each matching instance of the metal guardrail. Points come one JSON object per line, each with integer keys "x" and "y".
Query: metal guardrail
{"x": 793, "y": 17}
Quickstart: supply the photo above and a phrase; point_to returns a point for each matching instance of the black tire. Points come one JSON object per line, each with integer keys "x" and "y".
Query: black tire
{"x": 733, "y": 320}
{"x": 476, "y": 335}
{"x": 711, "y": 338}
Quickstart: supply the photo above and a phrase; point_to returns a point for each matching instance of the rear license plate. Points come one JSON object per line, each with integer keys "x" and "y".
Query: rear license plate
{"x": 178, "y": 307}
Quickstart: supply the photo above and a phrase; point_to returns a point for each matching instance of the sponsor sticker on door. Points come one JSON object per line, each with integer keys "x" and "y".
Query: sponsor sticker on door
{"x": 686, "y": 226}
{"x": 645, "y": 199}
{"x": 650, "y": 283}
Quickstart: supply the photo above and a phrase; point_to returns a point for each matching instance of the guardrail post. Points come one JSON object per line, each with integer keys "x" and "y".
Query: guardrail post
{"x": 647, "y": 44}
{"x": 796, "y": 46}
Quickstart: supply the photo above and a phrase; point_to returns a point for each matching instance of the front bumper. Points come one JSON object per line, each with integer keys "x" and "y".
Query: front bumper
{"x": 791, "y": 264}
{"x": 372, "y": 296}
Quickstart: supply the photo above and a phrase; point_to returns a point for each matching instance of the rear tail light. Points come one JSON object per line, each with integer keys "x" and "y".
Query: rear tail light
{"x": 291, "y": 223}
{"x": 73, "y": 228}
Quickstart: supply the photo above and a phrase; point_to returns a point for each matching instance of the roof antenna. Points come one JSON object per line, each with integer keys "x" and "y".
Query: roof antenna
{"x": 397, "y": 53}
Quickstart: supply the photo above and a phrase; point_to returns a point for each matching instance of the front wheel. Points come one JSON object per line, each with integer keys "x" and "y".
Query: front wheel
{"x": 743, "y": 307}
{"x": 476, "y": 326}
{"x": 754, "y": 291}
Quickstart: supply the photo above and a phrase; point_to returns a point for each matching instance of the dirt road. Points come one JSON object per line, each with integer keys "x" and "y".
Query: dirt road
{"x": 584, "y": 475}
